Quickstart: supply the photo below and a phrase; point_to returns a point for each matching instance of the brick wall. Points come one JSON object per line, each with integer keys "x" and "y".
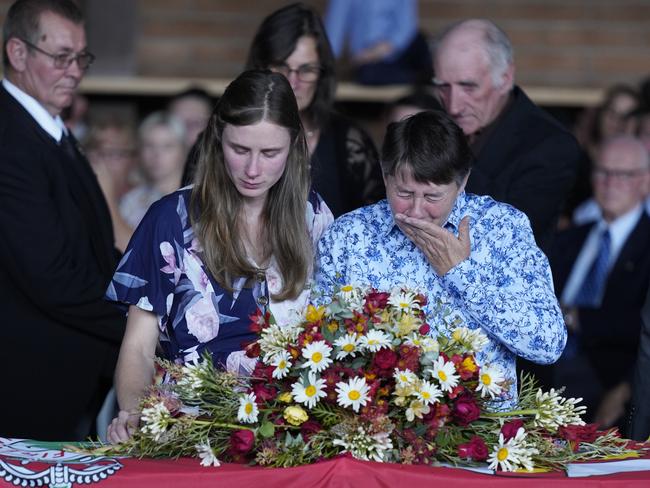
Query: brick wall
{"x": 580, "y": 43}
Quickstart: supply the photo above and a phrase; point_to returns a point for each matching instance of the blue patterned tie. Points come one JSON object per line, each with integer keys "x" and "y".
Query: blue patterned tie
{"x": 591, "y": 291}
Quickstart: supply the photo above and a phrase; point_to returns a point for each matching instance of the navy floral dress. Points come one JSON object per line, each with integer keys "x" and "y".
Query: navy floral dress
{"x": 162, "y": 272}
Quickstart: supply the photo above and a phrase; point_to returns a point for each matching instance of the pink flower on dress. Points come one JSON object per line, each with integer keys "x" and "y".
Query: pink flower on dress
{"x": 273, "y": 280}
{"x": 167, "y": 252}
{"x": 198, "y": 277}
{"x": 203, "y": 320}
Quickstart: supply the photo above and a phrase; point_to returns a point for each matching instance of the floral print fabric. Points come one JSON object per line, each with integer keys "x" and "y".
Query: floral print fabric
{"x": 504, "y": 287}
{"x": 162, "y": 272}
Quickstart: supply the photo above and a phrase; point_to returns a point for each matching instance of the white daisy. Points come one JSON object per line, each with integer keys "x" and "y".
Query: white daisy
{"x": 310, "y": 392}
{"x": 445, "y": 373}
{"x": 348, "y": 346}
{"x": 353, "y": 296}
{"x": 248, "y": 411}
{"x": 375, "y": 340}
{"x": 472, "y": 339}
{"x": 317, "y": 355}
{"x": 403, "y": 300}
{"x": 513, "y": 454}
{"x": 490, "y": 380}
{"x": 282, "y": 363}
{"x": 353, "y": 394}
{"x": 426, "y": 343}
{"x": 206, "y": 454}
{"x": 428, "y": 392}
{"x": 404, "y": 377}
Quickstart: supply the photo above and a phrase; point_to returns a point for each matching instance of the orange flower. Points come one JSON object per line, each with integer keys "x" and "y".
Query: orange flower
{"x": 467, "y": 368}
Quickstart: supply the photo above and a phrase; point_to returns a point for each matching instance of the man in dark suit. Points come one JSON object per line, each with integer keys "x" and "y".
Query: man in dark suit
{"x": 59, "y": 338}
{"x": 601, "y": 272}
{"x": 523, "y": 156}
{"x": 639, "y": 428}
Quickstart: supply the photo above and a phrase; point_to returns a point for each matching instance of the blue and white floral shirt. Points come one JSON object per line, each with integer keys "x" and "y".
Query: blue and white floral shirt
{"x": 504, "y": 287}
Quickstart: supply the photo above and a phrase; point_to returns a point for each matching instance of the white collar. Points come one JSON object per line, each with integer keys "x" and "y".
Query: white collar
{"x": 52, "y": 125}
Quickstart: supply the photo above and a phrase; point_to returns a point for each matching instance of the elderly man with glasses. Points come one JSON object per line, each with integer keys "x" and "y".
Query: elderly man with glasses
{"x": 601, "y": 272}
{"x": 60, "y": 339}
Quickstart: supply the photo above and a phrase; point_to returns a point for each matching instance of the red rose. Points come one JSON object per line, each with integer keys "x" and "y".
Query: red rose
{"x": 576, "y": 434}
{"x": 385, "y": 359}
{"x": 309, "y": 428}
{"x": 509, "y": 429}
{"x": 425, "y": 329}
{"x": 475, "y": 449}
{"x": 264, "y": 393}
{"x": 242, "y": 441}
{"x": 466, "y": 410}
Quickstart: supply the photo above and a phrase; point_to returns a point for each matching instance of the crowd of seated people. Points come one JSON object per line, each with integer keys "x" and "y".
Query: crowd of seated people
{"x": 579, "y": 200}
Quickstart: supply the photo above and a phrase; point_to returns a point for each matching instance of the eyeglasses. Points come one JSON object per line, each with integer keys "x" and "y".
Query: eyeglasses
{"x": 620, "y": 175}
{"x": 63, "y": 61}
{"x": 306, "y": 72}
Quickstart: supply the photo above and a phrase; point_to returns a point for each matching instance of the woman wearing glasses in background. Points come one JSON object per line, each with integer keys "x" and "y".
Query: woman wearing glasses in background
{"x": 344, "y": 162}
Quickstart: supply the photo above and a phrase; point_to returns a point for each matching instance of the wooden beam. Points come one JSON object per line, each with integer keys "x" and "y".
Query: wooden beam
{"x": 347, "y": 92}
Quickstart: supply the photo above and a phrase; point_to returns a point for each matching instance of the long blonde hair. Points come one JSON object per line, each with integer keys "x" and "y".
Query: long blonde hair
{"x": 216, "y": 205}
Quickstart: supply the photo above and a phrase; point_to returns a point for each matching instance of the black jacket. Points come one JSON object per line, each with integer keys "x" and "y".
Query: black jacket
{"x": 59, "y": 337}
{"x": 529, "y": 161}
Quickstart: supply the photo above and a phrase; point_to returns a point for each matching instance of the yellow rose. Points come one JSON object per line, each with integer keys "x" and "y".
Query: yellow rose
{"x": 295, "y": 415}
{"x": 285, "y": 397}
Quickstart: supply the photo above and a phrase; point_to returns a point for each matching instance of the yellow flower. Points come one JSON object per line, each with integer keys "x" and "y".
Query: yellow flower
{"x": 314, "y": 314}
{"x": 333, "y": 326}
{"x": 407, "y": 324}
{"x": 285, "y": 397}
{"x": 295, "y": 415}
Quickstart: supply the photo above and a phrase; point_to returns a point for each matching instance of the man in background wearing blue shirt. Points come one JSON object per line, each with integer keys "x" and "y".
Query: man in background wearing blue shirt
{"x": 383, "y": 40}
{"x": 476, "y": 255}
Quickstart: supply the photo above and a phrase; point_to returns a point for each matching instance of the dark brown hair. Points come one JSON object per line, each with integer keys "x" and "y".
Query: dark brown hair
{"x": 431, "y": 145}
{"x": 276, "y": 39}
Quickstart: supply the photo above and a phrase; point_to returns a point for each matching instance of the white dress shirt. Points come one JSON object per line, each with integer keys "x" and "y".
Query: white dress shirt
{"x": 619, "y": 230}
{"x": 52, "y": 125}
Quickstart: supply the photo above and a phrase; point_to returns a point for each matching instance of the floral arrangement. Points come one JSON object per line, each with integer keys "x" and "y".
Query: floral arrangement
{"x": 362, "y": 376}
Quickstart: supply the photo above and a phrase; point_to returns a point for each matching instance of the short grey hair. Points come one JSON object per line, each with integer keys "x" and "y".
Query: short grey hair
{"x": 162, "y": 119}
{"x": 496, "y": 44}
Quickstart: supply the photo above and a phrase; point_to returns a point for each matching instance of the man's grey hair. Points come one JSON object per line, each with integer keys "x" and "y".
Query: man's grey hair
{"x": 497, "y": 45}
